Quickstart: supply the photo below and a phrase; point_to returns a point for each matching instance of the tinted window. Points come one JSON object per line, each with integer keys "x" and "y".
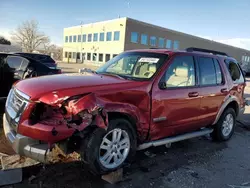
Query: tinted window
{"x": 181, "y": 72}
{"x": 107, "y": 58}
{"x": 101, "y": 57}
{"x": 109, "y": 36}
{"x": 144, "y": 39}
{"x": 116, "y": 35}
{"x": 134, "y": 37}
{"x": 101, "y": 36}
{"x": 14, "y": 62}
{"x": 74, "y": 39}
{"x": 89, "y": 56}
{"x": 218, "y": 72}
{"x": 176, "y": 45}
{"x": 79, "y": 38}
{"x": 95, "y": 37}
{"x": 83, "y": 38}
{"x": 161, "y": 42}
{"x": 234, "y": 71}
{"x": 153, "y": 41}
{"x": 169, "y": 44}
{"x": 207, "y": 71}
{"x": 70, "y": 54}
{"x": 89, "y": 37}
{"x": 24, "y": 65}
{"x": 66, "y": 54}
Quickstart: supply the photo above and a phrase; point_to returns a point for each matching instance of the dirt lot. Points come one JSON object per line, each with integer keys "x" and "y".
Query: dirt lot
{"x": 198, "y": 162}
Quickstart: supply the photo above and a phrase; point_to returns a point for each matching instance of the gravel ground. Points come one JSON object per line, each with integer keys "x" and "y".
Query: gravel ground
{"x": 197, "y": 162}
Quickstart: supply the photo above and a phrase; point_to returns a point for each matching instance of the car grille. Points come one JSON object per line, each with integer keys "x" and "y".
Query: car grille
{"x": 16, "y": 103}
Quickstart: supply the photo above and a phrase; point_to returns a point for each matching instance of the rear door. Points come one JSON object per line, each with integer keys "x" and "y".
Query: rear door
{"x": 176, "y": 101}
{"x": 213, "y": 88}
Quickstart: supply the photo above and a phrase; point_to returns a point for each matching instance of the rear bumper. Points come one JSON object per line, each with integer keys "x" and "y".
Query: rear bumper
{"x": 25, "y": 146}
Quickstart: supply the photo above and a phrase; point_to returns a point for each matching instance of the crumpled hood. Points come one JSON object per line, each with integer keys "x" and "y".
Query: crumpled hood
{"x": 52, "y": 89}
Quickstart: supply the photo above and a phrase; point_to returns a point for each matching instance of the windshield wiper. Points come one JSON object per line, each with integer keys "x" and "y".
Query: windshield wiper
{"x": 112, "y": 74}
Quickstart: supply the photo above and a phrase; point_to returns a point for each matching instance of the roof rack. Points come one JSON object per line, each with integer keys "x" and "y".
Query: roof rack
{"x": 192, "y": 49}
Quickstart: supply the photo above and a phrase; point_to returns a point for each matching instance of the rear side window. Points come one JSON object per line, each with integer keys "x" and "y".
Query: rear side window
{"x": 234, "y": 71}
{"x": 219, "y": 79}
{"x": 207, "y": 71}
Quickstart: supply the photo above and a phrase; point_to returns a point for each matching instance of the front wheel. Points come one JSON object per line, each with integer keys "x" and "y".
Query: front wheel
{"x": 224, "y": 128}
{"x": 107, "y": 151}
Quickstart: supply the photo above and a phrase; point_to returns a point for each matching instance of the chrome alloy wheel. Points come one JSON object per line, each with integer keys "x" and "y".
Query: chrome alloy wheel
{"x": 114, "y": 148}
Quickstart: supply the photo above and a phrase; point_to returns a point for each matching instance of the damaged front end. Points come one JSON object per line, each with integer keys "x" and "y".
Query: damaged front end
{"x": 53, "y": 130}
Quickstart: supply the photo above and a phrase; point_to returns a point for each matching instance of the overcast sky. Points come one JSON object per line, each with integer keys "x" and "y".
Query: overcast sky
{"x": 226, "y": 21}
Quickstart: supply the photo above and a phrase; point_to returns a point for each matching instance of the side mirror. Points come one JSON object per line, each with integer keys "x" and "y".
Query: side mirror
{"x": 162, "y": 85}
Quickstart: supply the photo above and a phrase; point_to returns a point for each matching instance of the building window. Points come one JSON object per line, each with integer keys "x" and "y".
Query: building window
{"x": 78, "y": 54}
{"x": 95, "y": 38}
{"x": 89, "y": 56}
{"x": 176, "y": 45}
{"x": 109, "y": 36}
{"x": 74, "y": 38}
{"x": 114, "y": 55}
{"x": 83, "y": 38}
{"x": 89, "y": 37}
{"x": 65, "y": 54}
{"x": 116, "y": 35}
{"x": 66, "y": 39}
{"x": 153, "y": 41}
{"x": 134, "y": 37}
{"x": 101, "y": 37}
{"x": 74, "y": 55}
{"x": 161, "y": 42}
{"x": 144, "y": 39}
{"x": 79, "y": 38}
{"x": 169, "y": 44}
{"x": 70, "y": 54}
{"x": 70, "y": 38}
{"x": 101, "y": 57}
{"x": 107, "y": 57}
{"x": 94, "y": 57}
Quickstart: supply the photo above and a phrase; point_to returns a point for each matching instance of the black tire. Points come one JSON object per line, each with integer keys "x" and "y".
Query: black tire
{"x": 90, "y": 146}
{"x": 217, "y": 134}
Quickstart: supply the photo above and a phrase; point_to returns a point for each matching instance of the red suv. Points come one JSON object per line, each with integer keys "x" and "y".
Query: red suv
{"x": 139, "y": 99}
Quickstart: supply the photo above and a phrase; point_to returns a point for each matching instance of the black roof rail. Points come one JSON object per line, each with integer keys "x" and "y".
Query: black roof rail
{"x": 192, "y": 49}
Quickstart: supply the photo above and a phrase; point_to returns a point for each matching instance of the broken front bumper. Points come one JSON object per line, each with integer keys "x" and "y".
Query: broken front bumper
{"x": 25, "y": 146}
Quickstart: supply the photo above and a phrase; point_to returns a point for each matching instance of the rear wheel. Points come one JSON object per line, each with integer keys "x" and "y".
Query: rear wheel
{"x": 224, "y": 128}
{"x": 107, "y": 151}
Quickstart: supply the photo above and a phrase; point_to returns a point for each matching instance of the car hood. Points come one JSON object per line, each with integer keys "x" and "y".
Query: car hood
{"x": 63, "y": 86}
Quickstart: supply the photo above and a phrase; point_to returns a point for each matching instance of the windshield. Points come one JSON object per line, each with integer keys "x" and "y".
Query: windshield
{"x": 137, "y": 65}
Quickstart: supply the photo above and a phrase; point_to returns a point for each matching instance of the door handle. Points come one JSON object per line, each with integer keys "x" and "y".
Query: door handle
{"x": 224, "y": 90}
{"x": 193, "y": 94}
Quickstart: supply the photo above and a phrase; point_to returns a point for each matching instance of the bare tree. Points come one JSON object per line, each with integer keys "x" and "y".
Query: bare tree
{"x": 28, "y": 36}
{"x": 4, "y": 41}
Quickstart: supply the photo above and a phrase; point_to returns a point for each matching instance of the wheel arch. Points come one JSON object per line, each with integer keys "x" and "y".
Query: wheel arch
{"x": 230, "y": 102}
